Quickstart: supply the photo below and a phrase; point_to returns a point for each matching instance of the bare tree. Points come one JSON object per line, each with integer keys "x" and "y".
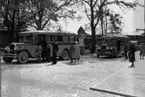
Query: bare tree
{"x": 13, "y": 16}
{"x": 16, "y": 15}
{"x": 45, "y": 11}
{"x": 94, "y": 10}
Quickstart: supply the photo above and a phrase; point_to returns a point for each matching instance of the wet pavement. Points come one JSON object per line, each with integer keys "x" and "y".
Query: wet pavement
{"x": 60, "y": 80}
{"x": 128, "y": 82}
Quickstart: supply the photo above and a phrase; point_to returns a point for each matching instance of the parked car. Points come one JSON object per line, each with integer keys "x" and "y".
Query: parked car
{"x": 112, "y": 45}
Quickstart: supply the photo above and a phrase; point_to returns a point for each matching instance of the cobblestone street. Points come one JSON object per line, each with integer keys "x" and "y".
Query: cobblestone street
{"x": 60, "y": 80}
{"x": 128, "y": 82}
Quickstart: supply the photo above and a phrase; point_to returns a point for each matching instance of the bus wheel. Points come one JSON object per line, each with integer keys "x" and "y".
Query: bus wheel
{"x": 22, "y": 57}
{"x": 65, "y": 55}
{"x": 8, "y": 59}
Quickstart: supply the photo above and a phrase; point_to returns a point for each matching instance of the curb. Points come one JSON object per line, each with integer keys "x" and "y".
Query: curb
{"x": 112, "y": 92}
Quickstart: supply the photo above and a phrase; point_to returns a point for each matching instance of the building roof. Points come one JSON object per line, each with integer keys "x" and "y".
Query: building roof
{"x": 46, "y": 32}
{"x": 114, "y": 36}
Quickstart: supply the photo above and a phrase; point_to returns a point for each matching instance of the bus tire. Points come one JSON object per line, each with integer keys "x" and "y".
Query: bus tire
{"x": 65, "y": 55}
{"x": 22, "y": 57}
{"x": 8, "y": 59}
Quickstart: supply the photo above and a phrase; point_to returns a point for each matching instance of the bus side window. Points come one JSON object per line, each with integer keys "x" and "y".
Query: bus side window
{"x": 21, "y": 39}
{"x": 49, "y": 38}
{"x": 72, "y": 38}
{"x": 52, "y": 38}
{"x": 60, "y": 38}
{"x": 65, "y": 38}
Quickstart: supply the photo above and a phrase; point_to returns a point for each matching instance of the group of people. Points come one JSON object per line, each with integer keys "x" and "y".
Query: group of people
{"x": 74, "y": 53}
{"x": 129, "y": 52}
{"x": 44, "y": 52}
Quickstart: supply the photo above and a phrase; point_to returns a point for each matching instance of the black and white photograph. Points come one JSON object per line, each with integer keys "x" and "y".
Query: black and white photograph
{"x": 72, "y": 48}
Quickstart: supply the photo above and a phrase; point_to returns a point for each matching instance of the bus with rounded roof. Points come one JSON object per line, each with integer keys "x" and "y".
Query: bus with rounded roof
{"x": 25, "y": 49}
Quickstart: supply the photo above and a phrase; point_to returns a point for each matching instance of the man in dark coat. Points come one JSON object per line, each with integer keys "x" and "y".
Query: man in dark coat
{"x": 44, "y": 51}
{"x": 126, "y": 51}
{"x": 71, "y": 53}
{"x": 132, "y": 50}
{"x": 55, "y": 50}
{"x": 48, "y": 52}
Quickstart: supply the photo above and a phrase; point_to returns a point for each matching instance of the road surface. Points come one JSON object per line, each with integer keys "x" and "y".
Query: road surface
{"x": 61, "y": 80}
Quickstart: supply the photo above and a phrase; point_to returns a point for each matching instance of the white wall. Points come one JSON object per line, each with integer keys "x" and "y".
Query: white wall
{"x": 138, "y": 18}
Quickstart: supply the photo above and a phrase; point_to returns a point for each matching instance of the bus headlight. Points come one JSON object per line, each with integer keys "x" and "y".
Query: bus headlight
{"x": 15, "y": 48}
{"x": 7, "y": 48}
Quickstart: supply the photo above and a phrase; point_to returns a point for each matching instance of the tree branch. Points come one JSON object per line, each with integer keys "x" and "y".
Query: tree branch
{"x": 45, "y": 23}
{"x": 87, "y": 2}
{"x": 95, "y": 3}
{"x": 86, "y": 11}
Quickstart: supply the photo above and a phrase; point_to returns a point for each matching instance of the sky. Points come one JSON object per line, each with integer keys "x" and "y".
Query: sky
{"x": 132, "y": 19}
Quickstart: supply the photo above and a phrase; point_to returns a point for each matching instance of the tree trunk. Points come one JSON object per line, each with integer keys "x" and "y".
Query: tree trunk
{"x": 102, "y": 26}
{"x": 93, "y": 47}
{"x": 13, "y": 25}
{"x": 106, "y": 26}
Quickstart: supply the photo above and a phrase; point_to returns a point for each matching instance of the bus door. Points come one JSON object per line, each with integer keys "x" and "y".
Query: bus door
{"x": 42, "y": 41}
{"x": 118, "y": 45}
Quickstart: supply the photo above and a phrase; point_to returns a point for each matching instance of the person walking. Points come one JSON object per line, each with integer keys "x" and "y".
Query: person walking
{"x": 76, "y": 53}
{"x": 71, "y": 54}
{"x": 132, "y": 50}
{"x": 55, "y": 50}
{"x": 142, "y": 51}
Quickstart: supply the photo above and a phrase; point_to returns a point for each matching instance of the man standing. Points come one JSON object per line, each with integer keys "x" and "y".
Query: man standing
{"x": 71, "y": 54}
{"x": 48, "y": 51}
{"x": 38, "y": 53}
{"x": 132, "y": 50}
{"x": 76, "y": 52}
{"x": 126, "y": 51}
{"x": 44, "y": 49}
{"x": 142, "y": 51}
{"x": 55, "y": 50}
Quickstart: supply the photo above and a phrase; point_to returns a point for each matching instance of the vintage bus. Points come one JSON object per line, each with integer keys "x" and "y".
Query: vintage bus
{"x": 111, "y": 45}
{"x": 29, "y": 40}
